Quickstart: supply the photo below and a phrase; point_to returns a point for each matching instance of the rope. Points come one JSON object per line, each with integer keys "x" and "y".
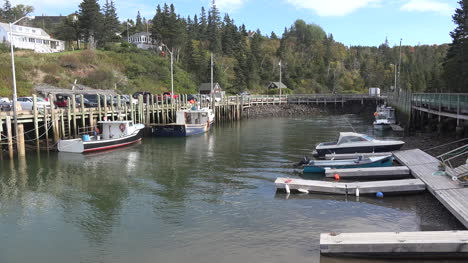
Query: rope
{"x": 432, "y": 148}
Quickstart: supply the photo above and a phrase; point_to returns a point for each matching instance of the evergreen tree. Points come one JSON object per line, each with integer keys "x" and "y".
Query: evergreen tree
{"x": 203, "y": 26}
{"x": 90, "y": 21}
{"x": 214, "y": 24}
{"x": 456, "y": 61}
{"x": 111, "y": 25}
{"x": 6, "y": 14}
{"x": 139, "y": 24}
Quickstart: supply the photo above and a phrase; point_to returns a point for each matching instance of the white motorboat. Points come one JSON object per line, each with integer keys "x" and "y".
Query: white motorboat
{"x": 384, "y": 117}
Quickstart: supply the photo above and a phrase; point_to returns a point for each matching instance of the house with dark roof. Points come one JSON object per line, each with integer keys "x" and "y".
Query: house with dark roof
{"x": 205, "y": 88}
{"x": 276, "y": 85}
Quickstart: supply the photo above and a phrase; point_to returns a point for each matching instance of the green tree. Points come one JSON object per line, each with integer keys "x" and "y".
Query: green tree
{"x": 456, "y": 61}
{"x": 111, "y": 25}
{"x": 139, "y": 24}
{"x": 90, "y": 21}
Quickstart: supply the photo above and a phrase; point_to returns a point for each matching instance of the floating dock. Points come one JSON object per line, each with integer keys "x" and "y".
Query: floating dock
{"x": 344, "y": 156}
{"x": 450, "y": 193}
{"x": 373, "y": 172}
{"x": 430, "y": 244}
{"x": 391, "y": 186}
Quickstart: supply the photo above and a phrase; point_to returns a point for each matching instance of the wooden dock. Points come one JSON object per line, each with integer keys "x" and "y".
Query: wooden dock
{"x": 344, "y": 156}
{"x": 450, "y": 193}
{"x": 373, "y": 172}
{"x": 396, "y": 244}
{"x": 391, "y": 186}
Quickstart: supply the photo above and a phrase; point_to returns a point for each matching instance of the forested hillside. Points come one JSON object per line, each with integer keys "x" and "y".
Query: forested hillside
{"x": 312, "y": 61}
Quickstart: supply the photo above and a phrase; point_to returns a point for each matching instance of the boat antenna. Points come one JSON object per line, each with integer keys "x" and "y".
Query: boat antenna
{"x": 349, "y": 123}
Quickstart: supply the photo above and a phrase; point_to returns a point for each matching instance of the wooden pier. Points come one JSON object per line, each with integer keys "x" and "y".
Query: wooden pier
{"x": 373, "y": 172}
{"x": 443, "y": 244}
{"x": 450, "y": 193}
{"x": 391, "y": 186}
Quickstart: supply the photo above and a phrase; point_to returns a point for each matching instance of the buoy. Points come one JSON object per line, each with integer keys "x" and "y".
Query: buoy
{"x": 337, "y": 177}
{"x": 286, "y": 187}
{"x": 379, "y": 194}
{"x": 357, "y": 191}
{"x": 304, "y": 191}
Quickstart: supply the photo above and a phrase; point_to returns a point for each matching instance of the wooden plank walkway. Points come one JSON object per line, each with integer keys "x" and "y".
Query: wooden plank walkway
{"x": 344, "y": 156}
{"x": 373, "y": 172}
{"x": 450, "y": 193}
{"x": 391, "y": 186}
{"x": 396, "y": 244}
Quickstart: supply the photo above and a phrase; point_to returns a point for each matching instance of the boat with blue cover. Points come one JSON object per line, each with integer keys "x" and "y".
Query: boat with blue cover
{"x": 318, "y": 166}
{"x": 188, "y": 122}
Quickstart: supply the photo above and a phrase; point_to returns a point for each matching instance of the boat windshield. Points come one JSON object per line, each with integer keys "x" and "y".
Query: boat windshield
{"x": 368, "y": 138}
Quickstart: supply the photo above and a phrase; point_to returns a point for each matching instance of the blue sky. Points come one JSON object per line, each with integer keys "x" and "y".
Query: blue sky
{"x": 352, "y": 22}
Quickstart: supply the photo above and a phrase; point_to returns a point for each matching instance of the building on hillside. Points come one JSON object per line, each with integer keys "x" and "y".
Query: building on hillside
{"x": 30, "y": 38}
{"x": 205, "y": 88}
{"x": 142, "y": 40}
{"x": 276, "y": 85}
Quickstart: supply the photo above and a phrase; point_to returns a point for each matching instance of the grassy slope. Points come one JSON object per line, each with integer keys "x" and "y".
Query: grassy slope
{"x": 127, "y": 69}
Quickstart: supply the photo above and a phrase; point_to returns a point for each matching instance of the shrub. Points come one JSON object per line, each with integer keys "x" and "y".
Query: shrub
{"x": 88, "y": 57}
{"x": 69, "y": 61}
{"x": 52, "y": 80}
{"x": 51, "y": 68}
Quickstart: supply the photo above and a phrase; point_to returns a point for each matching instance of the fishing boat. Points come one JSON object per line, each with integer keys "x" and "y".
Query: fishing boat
{"x": 114, "y": 134}
{"x": 351, "y": 142}
{"x": 188, "y": 122}
{"x": 318, "y": 166}
{"x": 384, "y": 117}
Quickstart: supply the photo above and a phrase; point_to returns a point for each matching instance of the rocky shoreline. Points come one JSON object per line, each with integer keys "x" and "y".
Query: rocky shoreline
{"x": 284, "y": 110}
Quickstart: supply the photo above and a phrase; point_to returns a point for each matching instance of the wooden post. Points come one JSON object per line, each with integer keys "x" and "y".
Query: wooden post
{"x": 69, "y": 121}
{"x": 99, "y": 107}
{"x": 119, "y": 107}
{"x": 131, "y": 112}
{"x": 1, "y": 138}
{"x": 105, "y": 107}
{"x": 9, "y": 136}
{"x": 46, "y": 127}
{"x": 75, "y": 129}
{"x": 140, "y": 106}
{"x": 62, "y": 124}
{"x": 54, "y": 119}
{"x": 148, "y": 107}
{"x": 20, "y": 141}
{"x": 112, "y": 109}
{"x": 126, "y": 109}
{"x": 36, "y": 123}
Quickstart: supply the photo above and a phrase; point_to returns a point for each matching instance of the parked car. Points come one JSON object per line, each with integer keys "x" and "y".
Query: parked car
{"x": 207, "y": 98}
{"x": 27, "y": 103}
{"x": 5, "y": 104}
{"x": 168, "y": 94}
{"x": 128, "y": 99}
{"x": 61, "y": 100}
{"x": 144, "y": 93}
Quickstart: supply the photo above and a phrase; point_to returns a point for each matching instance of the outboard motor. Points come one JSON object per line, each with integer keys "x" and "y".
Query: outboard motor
{"x": 304, "y": 160}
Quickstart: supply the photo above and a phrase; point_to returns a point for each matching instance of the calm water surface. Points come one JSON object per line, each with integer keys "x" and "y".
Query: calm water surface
{"x": 208, "y": 198}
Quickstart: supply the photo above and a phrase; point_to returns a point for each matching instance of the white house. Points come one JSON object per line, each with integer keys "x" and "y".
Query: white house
{"x": 142, "y": 40}
{"x": 30, "y": 38}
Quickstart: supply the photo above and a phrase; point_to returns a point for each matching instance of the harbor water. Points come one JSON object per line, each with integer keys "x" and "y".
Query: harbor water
{"x": 208, "y": 198}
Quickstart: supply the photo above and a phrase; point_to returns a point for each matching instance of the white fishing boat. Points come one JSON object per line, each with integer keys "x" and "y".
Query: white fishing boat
{"x": 188, "y": 122}
{"x": 114, "y": 134}
{"x": 384, "y": 117}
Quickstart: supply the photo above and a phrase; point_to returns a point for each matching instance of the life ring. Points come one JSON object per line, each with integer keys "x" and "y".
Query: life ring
{"x": 122, "y": 127}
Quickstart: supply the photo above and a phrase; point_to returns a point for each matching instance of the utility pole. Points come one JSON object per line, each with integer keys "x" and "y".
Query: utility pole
{"x": 280, "y": 81}
{"x": 399, "y": 66}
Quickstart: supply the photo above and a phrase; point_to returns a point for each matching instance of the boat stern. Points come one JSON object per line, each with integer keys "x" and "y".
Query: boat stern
{"x": 71, "y": 146}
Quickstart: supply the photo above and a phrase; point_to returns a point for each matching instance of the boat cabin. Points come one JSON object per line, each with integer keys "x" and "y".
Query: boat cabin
{"x": 347, "y": 137}
{"x": 116, "y": 129}
{"x": 385, "y": 112}
{"x": 192, "y": 117}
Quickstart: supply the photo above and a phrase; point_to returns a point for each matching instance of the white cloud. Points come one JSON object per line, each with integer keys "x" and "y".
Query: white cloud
{"x": 229, "y": 5}
{"x": 427, "y": 6}
{"x": 333, "y": 7}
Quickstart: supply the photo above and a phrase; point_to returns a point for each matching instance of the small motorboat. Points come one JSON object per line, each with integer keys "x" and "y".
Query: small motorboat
{"x": 114, "y": 134}
{"x": 384, "y": 117}
{"x": 318, "y": 166}
{"x": 351, "y": 142}
{"x": 188, "y": 122}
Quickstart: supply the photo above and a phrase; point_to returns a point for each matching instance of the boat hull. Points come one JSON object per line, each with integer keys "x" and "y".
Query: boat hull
{"x": 78, "y": 146}
{"x": 382, "y": 126}
{"x": 386, "y": 162}
{"x": 180, "y": 130}
{"x": 360, "y": 149}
